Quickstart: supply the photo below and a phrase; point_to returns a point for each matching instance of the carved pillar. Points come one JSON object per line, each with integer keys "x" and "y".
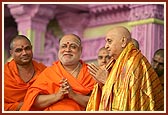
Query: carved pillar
{"x": 148, "y": 27}
{"x": 32, "y": 21}
{"x": 73, "y": 22}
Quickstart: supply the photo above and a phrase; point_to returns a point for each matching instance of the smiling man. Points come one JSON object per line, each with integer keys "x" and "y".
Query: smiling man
{"x": 19, "y": 73}
{"x": 64, "y": 86}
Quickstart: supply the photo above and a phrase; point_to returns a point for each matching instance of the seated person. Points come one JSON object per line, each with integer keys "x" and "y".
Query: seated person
{"x": 64, "y": 86}
{"x": 19, "y": 73}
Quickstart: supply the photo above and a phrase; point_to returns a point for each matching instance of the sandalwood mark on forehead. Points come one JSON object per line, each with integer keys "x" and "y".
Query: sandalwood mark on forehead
{"x": 67, "y": 42}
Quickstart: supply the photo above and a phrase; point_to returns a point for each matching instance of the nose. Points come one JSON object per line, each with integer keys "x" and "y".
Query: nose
{"x": 24, "y": 52}
{"x": 104, "y": 59}
{"x": 68, "y": 48}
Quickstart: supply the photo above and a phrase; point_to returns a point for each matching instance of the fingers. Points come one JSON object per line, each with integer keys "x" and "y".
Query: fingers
{"x": 65, "y": 87}
{"x": 93, "y": 69}
{"x": 65, "y": 90}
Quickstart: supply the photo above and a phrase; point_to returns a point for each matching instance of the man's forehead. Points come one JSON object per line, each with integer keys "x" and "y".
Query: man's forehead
{"x": 103, "y": 53}
{"x": 158, "y": 57}
{"x": 21, "y": 46}
{"x": 69, "y": 40}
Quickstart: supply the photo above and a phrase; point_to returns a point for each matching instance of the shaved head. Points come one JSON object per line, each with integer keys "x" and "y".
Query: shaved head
{"x": 103, "y": 56}
{"x": 117, "y": 39}
{"x": 121, "y": 32}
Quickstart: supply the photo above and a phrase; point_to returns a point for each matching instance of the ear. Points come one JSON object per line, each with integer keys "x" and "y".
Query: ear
{"x": 11, "y": 52}
{"x": 124, "y": 42}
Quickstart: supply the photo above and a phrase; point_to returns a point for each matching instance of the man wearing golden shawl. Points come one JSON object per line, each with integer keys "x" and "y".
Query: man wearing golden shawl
{"x": 64, "y": 86}
{"x": 19, "y": 73}
{"x": 131, "y": 85}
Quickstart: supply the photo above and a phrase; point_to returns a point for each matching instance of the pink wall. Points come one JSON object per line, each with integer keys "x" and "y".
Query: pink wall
{"x": 77, "y": 18}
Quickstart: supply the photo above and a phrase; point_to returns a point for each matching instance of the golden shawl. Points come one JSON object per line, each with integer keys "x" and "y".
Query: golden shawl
{"x": 49, "y": 83}
{"x": 132, "y": 85}
{"x": 14, "y": 87}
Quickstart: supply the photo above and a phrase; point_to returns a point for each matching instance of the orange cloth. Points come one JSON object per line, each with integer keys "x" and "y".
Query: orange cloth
{"x": 132, "y": 85}
{"x": 48, "y": 83}
{"x": 14, "y": 87}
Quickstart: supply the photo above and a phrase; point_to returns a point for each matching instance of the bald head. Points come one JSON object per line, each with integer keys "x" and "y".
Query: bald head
{"x": 103, "y": 57}
{"x": 158, "y": 62}
{"x": 159, "y": 52}
{"x": 121, "y": 32}
{"x": 116, "y": 40}
{"x": 18, "y": 37}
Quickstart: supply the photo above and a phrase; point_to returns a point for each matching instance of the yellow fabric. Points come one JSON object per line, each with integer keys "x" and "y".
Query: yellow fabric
{"x": 132, "y": 85}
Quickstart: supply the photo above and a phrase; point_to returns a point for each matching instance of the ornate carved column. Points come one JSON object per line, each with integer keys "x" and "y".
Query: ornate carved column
{"x": 72, "y": 22}
{"x": 32, "y": 21}
{"x": 148, "y": 27}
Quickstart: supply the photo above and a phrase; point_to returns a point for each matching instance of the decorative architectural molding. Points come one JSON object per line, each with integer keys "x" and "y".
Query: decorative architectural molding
{"x": 145, "y": 21}
{"x": 29, "y": 11}
{"x": 50, "y": 54}
{"x": 103, "y": 14}
{"x": 73, "y": 22}
{"x": 141, "y": 11}
{"x": 91, "y": 47}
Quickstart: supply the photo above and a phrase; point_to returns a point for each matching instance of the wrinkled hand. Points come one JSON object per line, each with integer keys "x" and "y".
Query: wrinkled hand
{"x": 99, "y": 73}
{"x": 63, "y": 90}
{"x": 66, "y": 88}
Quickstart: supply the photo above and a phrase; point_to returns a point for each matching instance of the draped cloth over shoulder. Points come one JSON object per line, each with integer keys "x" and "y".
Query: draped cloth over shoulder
{"x": 48, "y": 83}
{"x": 132, "y": 85}
{"x": 14, "y": 87}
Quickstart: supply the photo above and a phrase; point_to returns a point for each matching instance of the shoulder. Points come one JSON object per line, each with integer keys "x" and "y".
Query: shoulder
{"x": 10, "y": 64}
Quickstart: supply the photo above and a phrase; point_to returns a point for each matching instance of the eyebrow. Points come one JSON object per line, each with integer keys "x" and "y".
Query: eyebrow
{"x": 71, "y": 43}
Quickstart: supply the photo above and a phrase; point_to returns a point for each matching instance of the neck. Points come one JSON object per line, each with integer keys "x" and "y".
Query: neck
{"x": 72, "y": 68}
{"x": 26, "y": 67}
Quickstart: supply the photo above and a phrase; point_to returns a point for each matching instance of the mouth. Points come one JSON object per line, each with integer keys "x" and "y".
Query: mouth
{"x": 25, "y": 57}
{"x": 69, "y": 55}
{"x": 108, "y": 50}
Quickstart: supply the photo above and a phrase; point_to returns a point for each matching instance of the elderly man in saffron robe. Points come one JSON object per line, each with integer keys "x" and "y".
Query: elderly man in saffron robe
{"x": 64, "y": 86}
{"x": 131, "y": 85}
{"x": 19, "y": 73}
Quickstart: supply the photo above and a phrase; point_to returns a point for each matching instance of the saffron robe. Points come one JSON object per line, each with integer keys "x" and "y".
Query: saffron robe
{"x": 14, "y": 87}
{"x": 132, "y": 85}
{"x": 48, "y": 82}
